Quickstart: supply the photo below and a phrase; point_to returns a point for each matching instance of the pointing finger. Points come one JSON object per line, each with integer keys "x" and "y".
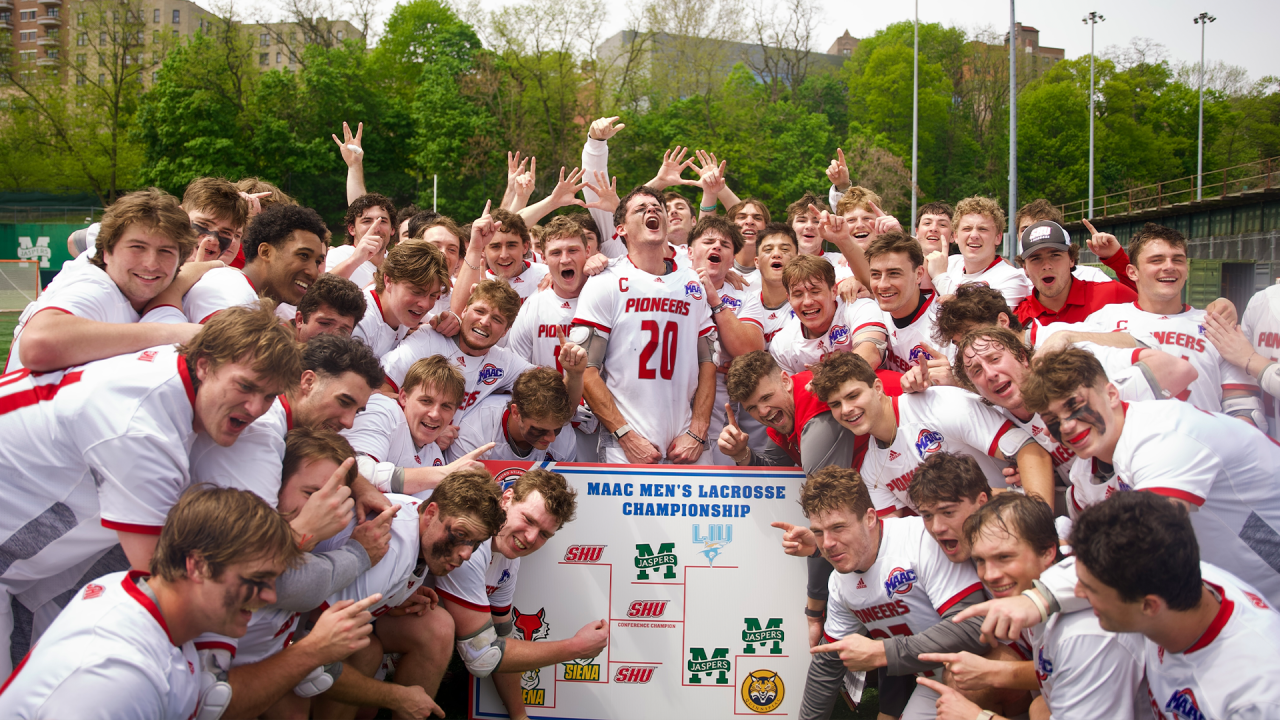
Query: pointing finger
{"x": 479, "y": 451}
{"x": 840, "y": 154}
{"x": 819, "y": 649}
{"x": 387, "y": 515}
{"x": 338, "y": 476}
{"x": 360, "y": 606}
{"x": 1092, "y": 230}
{"x": 732, "y": 420}
{"x": 784, "y": 526}
{"x": 876, "y": 208}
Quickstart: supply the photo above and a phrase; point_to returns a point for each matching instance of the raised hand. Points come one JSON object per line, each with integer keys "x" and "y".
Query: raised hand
{"x": 255, "y": 200}
{"x": 375, "y": 535}
{"x": 523, "y": 187}
{"x": 515, "y": 167}
{"x": 482, "y": 229}
{"x": 732, "y": 440}
{"x": 350, "y": 145}
{"x": 1104, "y": 245}
{"x": 797, "y": 540}
{"x": 838, "y": 172}
{"x": 327, "y": 511}
{"x": 936, "y": 263}
{"x": 368, "y": 246}
{"x": 606, "y": 193}
{"x": 447, "y": 437}
{"x": 470, "y": 461}
{"x": 604, "y": 128}
{"x": 673, "y": 166}
{"x": 884, "y": 223}
{"x": 563, "y": 193}
{"x": 710, "y": 174}
{"x": 832, "y": 227}
{"x": 713, "y": 297}
{"x": 572, "y": 356}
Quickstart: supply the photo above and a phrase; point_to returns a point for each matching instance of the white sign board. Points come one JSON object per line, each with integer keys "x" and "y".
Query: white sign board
{"x": 706, "y": 614}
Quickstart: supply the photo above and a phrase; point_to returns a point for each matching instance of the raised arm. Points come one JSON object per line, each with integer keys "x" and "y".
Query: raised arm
{"x": 673, "y": 165}
{"x": 472, "y": 269}
{"x": 352, "y": 151}
{"x": 562, "y": 195}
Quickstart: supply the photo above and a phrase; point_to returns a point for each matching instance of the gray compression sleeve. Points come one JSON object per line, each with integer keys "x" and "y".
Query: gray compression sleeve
{"x": 822, "y": 686}
{"x": 819, "y": 576}
{"x": 319, "y": 576}
{"x": 824, "y": 442}
{"x": 773, "y": 456}
{"x": 901, "y": 652}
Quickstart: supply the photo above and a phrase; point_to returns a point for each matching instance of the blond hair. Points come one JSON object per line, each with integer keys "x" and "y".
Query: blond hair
{"x": 500, "y": 297}
{"x": 417, "y": 263}
{"x": 857, "y": 198}
{"x": 437, "y": 372}
{"x": 978, "y": 205}
{"x": 248, "y": 331}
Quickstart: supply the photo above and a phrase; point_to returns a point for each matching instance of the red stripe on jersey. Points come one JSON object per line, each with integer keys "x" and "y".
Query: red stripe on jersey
{"x": 708, "y": 331}
{"x": 459, "y": 601}
{"x": 131, "y": 587}
{"x": 828, "y": 638}
{"x": 944, "y": 607}
{"x": 378, "y": 301}
{"x": 995, "y": 442}
{"x": 887, "y": 511}
{"x": 206, "y": 317}
{"x": 495, "y": 610}
{"x": 216, "y": 645}
{"x": 1177, "y": 495}
{"x": 753, "y": 321}
{"x": 288, "y": 411}
{"x": 394, "y": 388}
{"x": 185, "y": 373}
{"x": 130, "y": 528}
{"x": 1219, "y": 621}
{"x": 35, "y": 393}
{"x": 1134, "y": 358}
{"x": 876, "y": 325}
{"x": 1253, "y": 389}
{"x": 17, "y": 670}
{"x": 1184, "y": 396}
{"x": 598, "y": 326}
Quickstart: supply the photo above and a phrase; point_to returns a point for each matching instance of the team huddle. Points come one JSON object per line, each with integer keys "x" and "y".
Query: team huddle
{"x": 245, "y": 472}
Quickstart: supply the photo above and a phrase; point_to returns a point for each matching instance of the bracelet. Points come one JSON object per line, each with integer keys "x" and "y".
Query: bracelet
{"x": 715, "y": 309}
{"x": 473, "y": 267}
{"x": 701, "y": 442}
{"x": 810, "y": 612}
{"x": 985, "y": 715}
{"x": 1039, "y": 603}
{"x": 708, "y": 209}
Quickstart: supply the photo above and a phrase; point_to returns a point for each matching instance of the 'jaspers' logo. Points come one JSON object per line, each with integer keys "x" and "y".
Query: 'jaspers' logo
{"x": 1183, "y": 705}
{"x": 929, "y": 441}
{"x": 755, "y": 635}
{"x": 762, "y": 691}
{"x": 647, "y": 560}
{"x": 899, "y": 582}
{"x": 490, "y": 374}
{"x": 701, "y": 666}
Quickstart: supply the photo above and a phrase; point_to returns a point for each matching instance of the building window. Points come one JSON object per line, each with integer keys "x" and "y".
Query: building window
{"x": 52, "y": 12}
{"x": 177, "y": 16}
{"x": 6, "y": 16}
{"x": 82, "y": 39}
{"x": 81, "y": 79}
{"x": 26, "y": 15}
{"x": 155, "y": 15}
{"x": 264, "y": 39}
{"x": 341, "y": 34}
{"x": 27, "y": 56}
{"x": 102, "y": 38}
{"x": 82, "y": 60}
{"x": 155, "y": 75}
{"x": 264, "y": 58}
{"x": 102, "y": 79}
{"x": 27, "y": 36}
{"x": 279, "y": 58}
{"x": 80, "y": 18}
{"x": 52, "y": 53}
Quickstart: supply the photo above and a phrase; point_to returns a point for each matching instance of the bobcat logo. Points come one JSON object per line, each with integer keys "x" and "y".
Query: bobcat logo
{"x": 529, "y": 679}
{"x": 532, "y": 627}
{"x": 762, "y": 691}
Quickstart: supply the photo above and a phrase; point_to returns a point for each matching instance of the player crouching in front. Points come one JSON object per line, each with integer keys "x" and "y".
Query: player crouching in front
{"x": 124, "y": 645}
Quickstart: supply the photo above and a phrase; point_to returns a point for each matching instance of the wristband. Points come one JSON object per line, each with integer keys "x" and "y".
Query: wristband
{"x": 715, "y": 309}
{"x": 985, "y": 715}
{"x": 1039, "y": 603}
{"x": 617, "y": 434}
{"x": 473, "y": 267}
{"x": 701, "y": 442}
{"x": 810, "y": 612}
{"x": 708, "y": 209}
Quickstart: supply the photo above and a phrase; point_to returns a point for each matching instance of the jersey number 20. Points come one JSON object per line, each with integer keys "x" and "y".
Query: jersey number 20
{"x": 669, "y": 337}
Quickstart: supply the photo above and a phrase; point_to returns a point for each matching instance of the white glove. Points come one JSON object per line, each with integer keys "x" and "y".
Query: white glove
{"x": 215, "y": 691}
{"x": 318, "y": 680}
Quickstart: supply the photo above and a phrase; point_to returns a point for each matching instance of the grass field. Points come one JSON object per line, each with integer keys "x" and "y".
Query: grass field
{"x": 7, "y": 322}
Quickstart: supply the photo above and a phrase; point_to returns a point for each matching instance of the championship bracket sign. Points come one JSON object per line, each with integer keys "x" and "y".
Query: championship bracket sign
{"x": 706, "y": 613}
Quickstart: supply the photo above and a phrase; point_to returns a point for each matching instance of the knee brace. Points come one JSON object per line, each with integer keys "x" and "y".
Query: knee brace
{"x": 482, "y": 650}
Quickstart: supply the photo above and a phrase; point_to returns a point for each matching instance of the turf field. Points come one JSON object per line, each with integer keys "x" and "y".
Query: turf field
{"x": 7, "y": 322}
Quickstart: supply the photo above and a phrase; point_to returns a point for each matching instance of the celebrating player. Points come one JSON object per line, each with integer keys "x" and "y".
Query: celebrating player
{"x": 407, "y": 286}
{"x": 331, "y": 305}
{"x": 824, "y": 323}
{"x": 528, "y": 425}
{"x": 978, "y": 227}
{"x": 1049, "y": 259}
{"x": 897, "y": 269}
{"x": 369, "y": 234}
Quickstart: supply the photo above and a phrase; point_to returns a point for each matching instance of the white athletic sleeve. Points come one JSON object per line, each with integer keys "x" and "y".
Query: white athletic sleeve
{"x": 424, "y": 342}
{"x": 140, "y": 477}
{"x": 254, "y": 463}
{"x": 863, "y": 316}
{"x": 946, "y": 582}
{"x": 1176, "y": 467}
{"x": 465, "y": 586}
{"x": 371, "y": 432}
{"x": 167, "y": 314}
{"x": 979, "y": 425}
{"x": 218, "y": 290}
{"x": 113, "y": 688}
{"x": 1060, "y": 580}
{"x": 1094, "y": 676}
{"x": 597, "y": 305}
{"x": 335, "y": 256}
{"x": 833, "y": 197}
{"x": 520, "y": 337}
{"x": 501, "y": 599}
{"x": 483, "y": 424}
{"x": 595, "y": 156}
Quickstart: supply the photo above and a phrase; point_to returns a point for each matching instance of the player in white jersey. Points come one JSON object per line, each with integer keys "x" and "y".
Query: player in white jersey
{"x": 979, "y": 225}
{"x": 116, "y": 434}
{"x": 123, "y": 647}
{"x": 429, "y": 539}
{"x": 910, "y": 314}
{"x": 891, "y": 577}
{"x": 910, "y": 428}
{"x": 767, "y": 304}
{"x": 478, "y": 594}
{"x": 338, "y": 376}
{"x": 1256, "y": 350}
{"x": 90, "y": 310}
{"x": 595, "y": 161}
{"x": 1081, "y": 670}
{"x": 1158, "y": 257}
{"x": 331, "y": 305}
{"x": 1209, "y": 636}
{"x": 370, "y": 229}
{"x": 1225, "y": 471}
{"x": 825, "y": 323}
{"x": 645, "y": 322}
{"x": 404, "y": 291}
{"x": 527, "y": 425}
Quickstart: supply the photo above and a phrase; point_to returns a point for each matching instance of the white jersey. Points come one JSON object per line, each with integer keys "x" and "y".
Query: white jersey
{"x": 794, "y": 351}
{"x": 940, "y": 418}
{"x": 108, "y": 655}
{"x": 733, "y": 299}
{"x": 840, "y": 263}
{"x": 907, "y": 590}
{"x": 373, "y": 328}
{"x": 907, "y": 344}
{"x": 533, "y": 334}
{"x": 1087, "y": 673}
{"x": 1091, "y": 482}
{"x": 495, "y": 371}
{"x": 1089, "y": 273}
{"x": 526, "y": 283}
{"x": 398, "y": 574}
{"x": 113, "y": 438}
{"x": 653, "y": 323}
{"x": 769, "y": 319}
{"x": 255, "y": 462}
{"x": 362, "y": 276}
{"x": 486, "y": 582}
{"x": 216, "y": 291}
{"x": 1225, "y": 468}
{"x": 487, "y": 423}
{"x": 595, "y": 158}
{"x": 1181, "y": 335}
{"x": 83, "y": 290}
{"x": 271, "y": 630}
{"x": 1231, "y": 671}
{"x": 1261, "y": 324}
{"x": 382, "y": 433}
{"x": 1012, "y": 282}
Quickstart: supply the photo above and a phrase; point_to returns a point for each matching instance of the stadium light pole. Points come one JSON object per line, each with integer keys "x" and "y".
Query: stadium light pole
{"x": 915, "y": 120}
{"x": 1092, "y": 20}
{"x": 1202, "y": 20}
{"x": 1013, "y": 128}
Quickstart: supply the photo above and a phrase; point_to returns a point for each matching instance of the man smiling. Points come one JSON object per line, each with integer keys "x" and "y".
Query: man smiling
{"x": 526, "y": 426}
{"x": 978, "y": 226}
{"x": 1049, "y": 259}
{"x": 406, "y": 287}
{"x": 505, "y": 252}
{"x": 897, "y": 269}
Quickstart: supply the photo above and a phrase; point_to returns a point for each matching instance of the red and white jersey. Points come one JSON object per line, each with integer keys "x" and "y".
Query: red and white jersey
{"x": 907, "y": 589}
{"x": 1012, "y": 282}
{"x": 487, "y": 423}
{"x": 653, "y": 323}
{"x": 907, "y": 344}
{"x": 840, "y": 263}
{"x": 1180, "y": 335}
{"x": 794, "y": 351}
{"x": 216, "y": 291}
{"x": 526, "y": 283}
{"x": 1261, "y": 324}
{"x": 1091, "y": 482}
{"x": 254, "y": 463}
{"x": 382, "y": 433}
{"x": 1231, "y": 671}
{"x": 1225, "y": 468}
{"x": 397, "y": 574}
{"x": 1087, "y": 673}
{"x": 495, "y": 371}
{"x": 89, "y": 451}
{"x": 362, "y": 276}
{"x": 486, "y": 582}
{"x": 83, "y": 290}
{"x": 271, "y": 630}
{"x": 107, "y": 655}
{"x": 533, "y": 335}
{"x": 373, "y": 328}
{"x": 770, "y": 320}
{"x": 733, "y": 299}
{"x": 940, "y": 418}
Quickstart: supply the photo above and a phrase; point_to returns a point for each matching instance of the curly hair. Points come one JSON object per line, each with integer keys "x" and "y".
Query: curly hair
{"x": 988, "y": 334}
{"x": 275, "y": 226}
{"x": 972, "y": 305}
{"x": 331, "y": 356}
{"x": 1057, "y": 375}
{"x": 947, "y": 477}
{"x": 746, "y": 372}
{"x": 978, "y": 205}
{"x": 540, "y": 394}
{"x": 857, "y": 198}
{"x": 838, "y": 368}
{"x": 469, "y": 494}
{"x": 512, "y": 224}
{"x": 369, "y": 200}
{"x": 343, "y": 296}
